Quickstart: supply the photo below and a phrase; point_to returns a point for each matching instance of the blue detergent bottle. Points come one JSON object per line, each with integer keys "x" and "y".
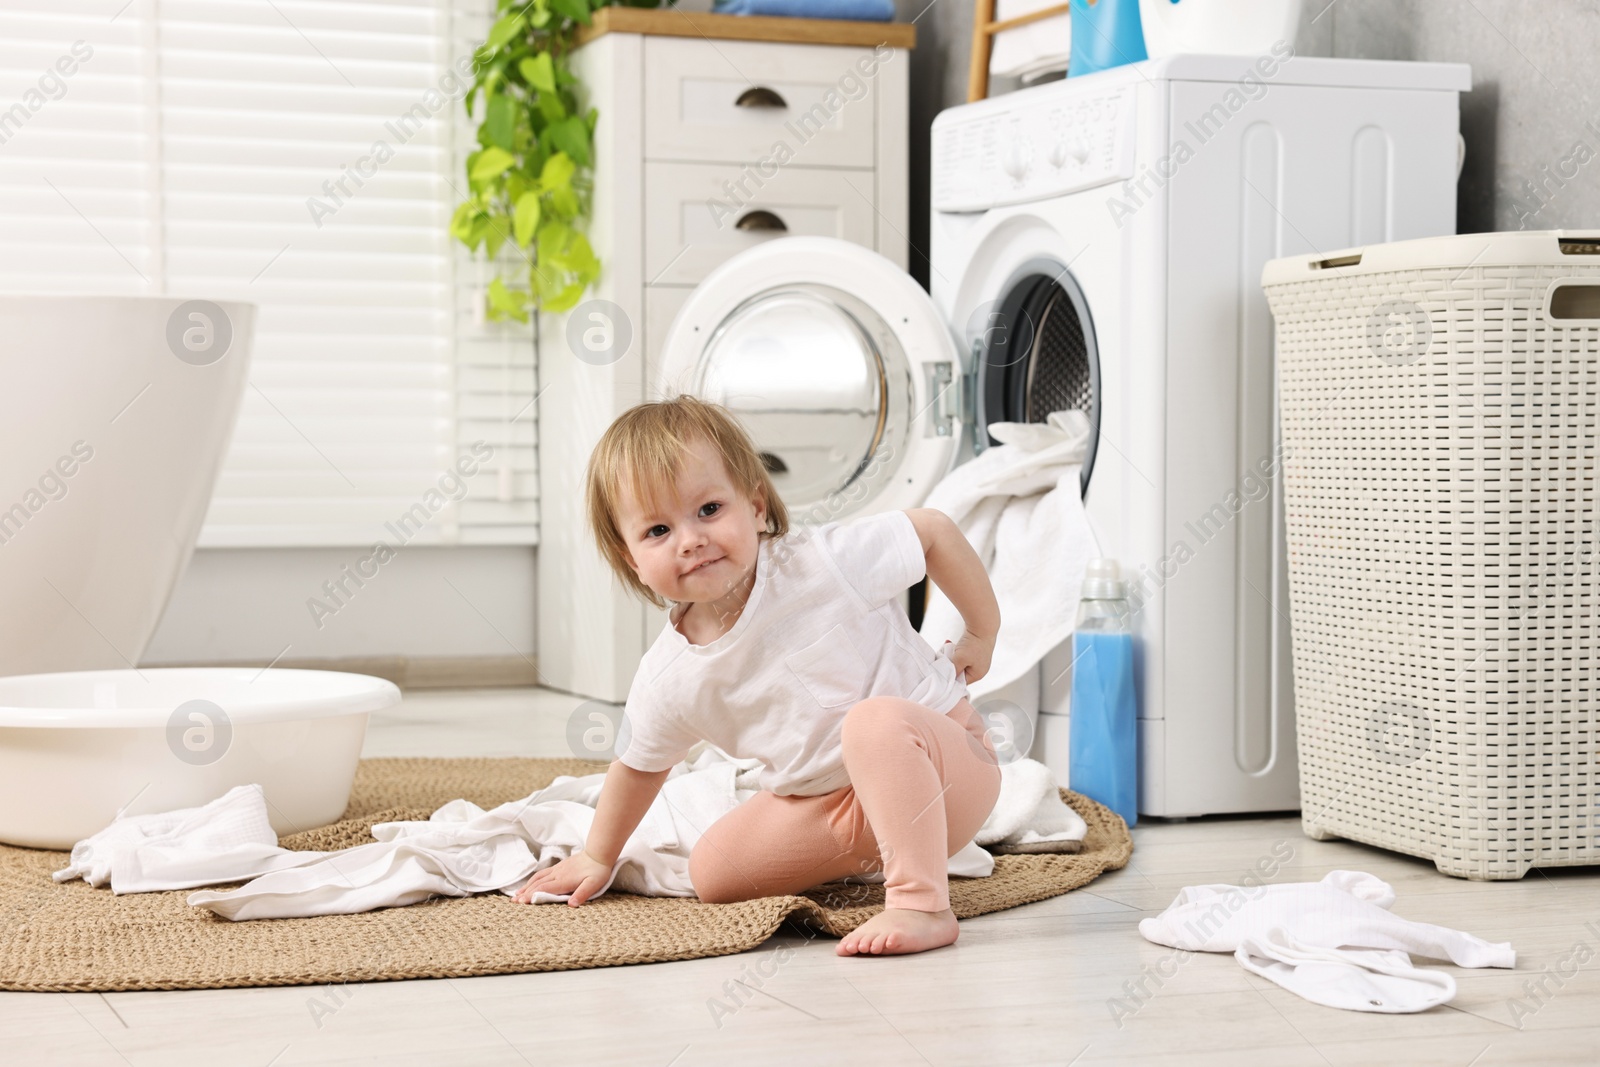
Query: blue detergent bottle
{"x": 1102, "y": 738}
{"x": 1105, "y": 34}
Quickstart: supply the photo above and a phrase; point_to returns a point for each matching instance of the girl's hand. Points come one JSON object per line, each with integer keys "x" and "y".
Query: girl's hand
{"x": 579, "y": 874}
{"x": 972, "y": 654}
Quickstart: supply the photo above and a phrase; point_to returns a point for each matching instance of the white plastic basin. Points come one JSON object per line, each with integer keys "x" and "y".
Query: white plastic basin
{"x": 82, "y": 748}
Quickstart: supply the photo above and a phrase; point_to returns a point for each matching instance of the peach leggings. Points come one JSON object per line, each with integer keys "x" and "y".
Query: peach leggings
{"x": 921, "y": 785}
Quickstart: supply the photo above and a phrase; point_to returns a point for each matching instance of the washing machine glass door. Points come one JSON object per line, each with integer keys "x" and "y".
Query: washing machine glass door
{"x": 838, "y": 365}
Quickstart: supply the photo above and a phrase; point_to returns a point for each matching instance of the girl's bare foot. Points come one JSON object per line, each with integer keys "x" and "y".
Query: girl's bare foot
{"x": 900, "y": 930}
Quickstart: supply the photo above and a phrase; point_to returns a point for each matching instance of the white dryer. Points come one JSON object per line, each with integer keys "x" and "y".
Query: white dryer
{"x": 1082, "y": 258}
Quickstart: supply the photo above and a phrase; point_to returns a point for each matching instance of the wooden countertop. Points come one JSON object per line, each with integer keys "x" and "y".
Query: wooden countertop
{"x": 668, "y": 22}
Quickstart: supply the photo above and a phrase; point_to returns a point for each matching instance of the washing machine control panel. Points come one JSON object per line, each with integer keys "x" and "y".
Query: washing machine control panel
{"x": 1059, "y": 143}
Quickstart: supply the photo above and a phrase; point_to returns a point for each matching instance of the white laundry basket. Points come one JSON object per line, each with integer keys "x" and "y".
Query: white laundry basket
{"x": 1439, "y": 401}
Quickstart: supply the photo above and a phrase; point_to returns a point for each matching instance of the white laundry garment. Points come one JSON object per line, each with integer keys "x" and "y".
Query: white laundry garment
{"x": 1333, "y": 942}
{"x": 229, "y": 839}
{"x": 1030, "y": 815}
{"x": 1033, "y": 49}
{"x": 462, "y": 849}
{"x": 1020, "y": 504}
{"x": 1377, "y": 980}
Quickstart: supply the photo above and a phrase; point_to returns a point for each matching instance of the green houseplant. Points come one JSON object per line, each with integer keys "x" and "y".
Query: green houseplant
{"x": 531, "y": 177}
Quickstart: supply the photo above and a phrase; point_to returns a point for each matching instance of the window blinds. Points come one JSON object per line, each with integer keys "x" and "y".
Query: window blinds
{"x": 305, "y": 156}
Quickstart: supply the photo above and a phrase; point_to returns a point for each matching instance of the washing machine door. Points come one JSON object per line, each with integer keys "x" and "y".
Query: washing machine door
{"x": 838, "y": 364}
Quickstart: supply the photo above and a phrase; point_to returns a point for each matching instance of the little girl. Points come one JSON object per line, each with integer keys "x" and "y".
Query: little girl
{"x": 789, "y": 647}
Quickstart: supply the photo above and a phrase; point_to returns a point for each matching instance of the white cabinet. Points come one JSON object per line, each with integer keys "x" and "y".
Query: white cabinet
{"x": 715, "y": 133}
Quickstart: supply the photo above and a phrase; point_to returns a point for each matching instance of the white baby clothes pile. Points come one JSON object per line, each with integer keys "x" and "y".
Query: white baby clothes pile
{"x": 462, "y": 849}
{"x": 1333, "y": 942}
{"x": 1020, "y": 504}
{"x": 227, "y": 840}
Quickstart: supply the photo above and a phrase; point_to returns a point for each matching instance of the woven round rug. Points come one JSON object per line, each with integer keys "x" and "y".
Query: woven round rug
{"x": 71, "y": 937}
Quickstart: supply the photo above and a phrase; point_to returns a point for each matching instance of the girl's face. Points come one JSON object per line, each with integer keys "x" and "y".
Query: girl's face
{"x": 702, "y": 543}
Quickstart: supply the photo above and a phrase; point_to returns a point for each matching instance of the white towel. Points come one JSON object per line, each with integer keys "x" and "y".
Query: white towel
{"x": 1333, "y": 942}
{"x": 1029, "y": 51}
{"x": 228, "y": 839}
{"x": 1030, "y": 815}
{"x": 1021, "y": 506}
{"x": 462, "y": 849}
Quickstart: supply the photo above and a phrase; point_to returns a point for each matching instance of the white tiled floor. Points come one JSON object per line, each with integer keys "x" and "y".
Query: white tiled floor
{"x": 1034, "y": 985}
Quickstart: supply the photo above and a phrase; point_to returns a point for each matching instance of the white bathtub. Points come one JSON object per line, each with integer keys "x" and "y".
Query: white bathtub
{"x": 114, "y": 419}
{"x": 79, "y": 749}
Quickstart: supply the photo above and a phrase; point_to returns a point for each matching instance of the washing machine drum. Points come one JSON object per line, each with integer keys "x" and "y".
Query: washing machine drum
{"x": 1035, "y": 353}
{"x": 837, "y": 363}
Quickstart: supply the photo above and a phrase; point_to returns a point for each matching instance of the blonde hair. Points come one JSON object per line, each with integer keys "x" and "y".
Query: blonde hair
{"x": 644, "y": 449}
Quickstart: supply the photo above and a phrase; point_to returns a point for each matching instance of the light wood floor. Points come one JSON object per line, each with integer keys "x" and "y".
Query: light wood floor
{"x": 1035, "y": 985}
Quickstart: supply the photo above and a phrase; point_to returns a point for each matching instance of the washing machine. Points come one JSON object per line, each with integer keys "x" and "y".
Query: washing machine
{"x": 1097, "y": 243}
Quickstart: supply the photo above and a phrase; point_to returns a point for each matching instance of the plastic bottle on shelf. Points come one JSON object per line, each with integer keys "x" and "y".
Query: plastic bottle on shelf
{"x": 1102, "y": 739}
{"x": 1104, "y": 34}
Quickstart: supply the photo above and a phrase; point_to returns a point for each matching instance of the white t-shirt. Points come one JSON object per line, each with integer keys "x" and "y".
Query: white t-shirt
{"x": 822, "y": 631}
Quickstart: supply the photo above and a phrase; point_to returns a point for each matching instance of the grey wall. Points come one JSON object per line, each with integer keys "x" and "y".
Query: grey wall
{"x": 1535, "y": 89}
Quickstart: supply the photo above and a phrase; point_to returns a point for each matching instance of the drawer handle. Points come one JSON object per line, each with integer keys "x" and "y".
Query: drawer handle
{"x": 760, "y": 220}
{"x": 760, "y": 96}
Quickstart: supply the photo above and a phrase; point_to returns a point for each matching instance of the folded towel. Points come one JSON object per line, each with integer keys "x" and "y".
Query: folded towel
{"x": 1020, "y": 504}
{"x": 1034, "y": 49}
{"x": 859, "y": 10}
{"x": 1333, "y": 942}
{"x": 462, "y": 849}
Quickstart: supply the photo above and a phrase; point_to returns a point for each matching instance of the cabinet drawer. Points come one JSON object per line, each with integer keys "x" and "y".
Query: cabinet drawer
{"x": 744, "y": 101}
{"x": 696, "y": 215}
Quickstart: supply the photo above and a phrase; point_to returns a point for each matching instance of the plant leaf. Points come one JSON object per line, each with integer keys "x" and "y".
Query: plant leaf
{"x": 507, "y": 303}
{"x": 565, "y": 299}
{"x": 491, "y": 163}
{"x": 581, "y": 255}
{"x": 527, "y": 217}
{"x": 539, "y": 72}
{"x": 503, "y": 30}
{"x": 577, "y": 10}
{"x": 564, "y": 202}
{"x": 571, "y": 135}
{"x": 501, "y": 121}
{"x": 551, "y": 107}
{"x": 557, "y": 172}
{"x": 461, "y": 221}
{"x": 553, "y": 237}
{"x": 499, "y": 230}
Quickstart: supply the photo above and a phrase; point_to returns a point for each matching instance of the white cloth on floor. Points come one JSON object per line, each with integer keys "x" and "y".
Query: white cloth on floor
{"x": 463, "y": 849}
{"x": 1333, "y": 942}
{"x": 1030, "y": 815}
{"x": 1379, "y": 979}
{"x": 1020, "y": 504}
{"x": 229, "y": 839}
